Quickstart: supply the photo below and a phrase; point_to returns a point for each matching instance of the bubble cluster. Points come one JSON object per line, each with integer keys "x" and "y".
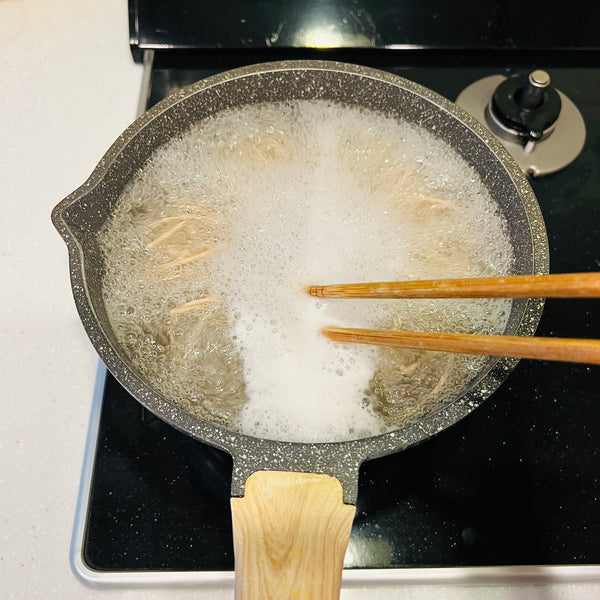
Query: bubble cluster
{"x": 212, "y": 243}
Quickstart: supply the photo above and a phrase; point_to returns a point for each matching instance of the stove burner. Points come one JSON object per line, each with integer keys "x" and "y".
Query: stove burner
{"x": 523, "y": 112}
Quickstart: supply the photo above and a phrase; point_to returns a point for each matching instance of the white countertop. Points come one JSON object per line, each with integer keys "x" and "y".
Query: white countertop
{"x": 68, "y": 88}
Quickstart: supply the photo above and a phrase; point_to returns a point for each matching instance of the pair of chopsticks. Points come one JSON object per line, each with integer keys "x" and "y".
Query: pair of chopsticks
{"x": 569, "y": 285}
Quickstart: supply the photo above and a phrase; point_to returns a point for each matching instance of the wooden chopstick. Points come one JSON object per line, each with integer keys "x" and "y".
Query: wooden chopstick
{"x": 567, "y": 285}
{"x": 541, "y": 348}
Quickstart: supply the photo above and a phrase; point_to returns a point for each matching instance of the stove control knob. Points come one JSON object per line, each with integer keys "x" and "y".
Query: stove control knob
{"x": 532, "y": 95}
{"x": 525, "y": 108}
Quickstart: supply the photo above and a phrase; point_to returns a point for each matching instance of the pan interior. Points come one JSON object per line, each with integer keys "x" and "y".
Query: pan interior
{"x": 387, "y": 95}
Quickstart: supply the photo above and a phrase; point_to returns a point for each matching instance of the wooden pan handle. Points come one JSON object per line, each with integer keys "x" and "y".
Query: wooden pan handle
{"x": 290, "y": 534}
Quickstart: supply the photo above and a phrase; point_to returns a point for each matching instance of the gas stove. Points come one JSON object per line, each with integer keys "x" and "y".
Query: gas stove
{"x": 510, "y": 493}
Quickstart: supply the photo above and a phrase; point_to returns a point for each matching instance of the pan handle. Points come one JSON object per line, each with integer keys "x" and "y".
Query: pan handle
{"x": 290, "y": 534}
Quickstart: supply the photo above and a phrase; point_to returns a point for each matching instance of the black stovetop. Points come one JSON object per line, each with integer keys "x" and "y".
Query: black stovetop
{"x": 517, "y": 482}
{"x": 471, "y": 26}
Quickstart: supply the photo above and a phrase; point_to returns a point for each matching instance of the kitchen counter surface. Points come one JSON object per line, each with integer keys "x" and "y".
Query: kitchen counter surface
{"x": 69, "y": 87}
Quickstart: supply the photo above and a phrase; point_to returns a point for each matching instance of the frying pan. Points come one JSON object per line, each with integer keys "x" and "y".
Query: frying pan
{"x": 292, "y": 503}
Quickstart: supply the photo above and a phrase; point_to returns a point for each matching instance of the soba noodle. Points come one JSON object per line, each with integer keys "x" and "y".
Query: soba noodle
{"x": 212, "y": 243}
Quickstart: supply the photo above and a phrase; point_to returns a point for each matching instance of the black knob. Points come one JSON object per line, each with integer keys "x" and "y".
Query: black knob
{"x": 532, "y": 95}
{"x": 526, "y": 106}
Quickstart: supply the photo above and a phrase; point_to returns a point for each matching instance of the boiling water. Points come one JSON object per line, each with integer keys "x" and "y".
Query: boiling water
{"x": 213, "y": 241}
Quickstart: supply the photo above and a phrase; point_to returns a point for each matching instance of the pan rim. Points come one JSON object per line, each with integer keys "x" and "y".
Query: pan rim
{"x": 248, "y": 450}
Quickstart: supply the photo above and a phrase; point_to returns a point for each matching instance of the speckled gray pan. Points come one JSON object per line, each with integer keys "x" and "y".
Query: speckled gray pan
{"x": 81, "y": 215}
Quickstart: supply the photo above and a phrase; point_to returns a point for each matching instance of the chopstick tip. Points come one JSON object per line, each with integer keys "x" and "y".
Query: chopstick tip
{"x": 329, "y": 331}
{"x": 314, "y": 290}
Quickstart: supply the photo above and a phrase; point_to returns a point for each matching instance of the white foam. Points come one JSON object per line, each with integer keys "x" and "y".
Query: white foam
{"x": 296, "y": 380}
